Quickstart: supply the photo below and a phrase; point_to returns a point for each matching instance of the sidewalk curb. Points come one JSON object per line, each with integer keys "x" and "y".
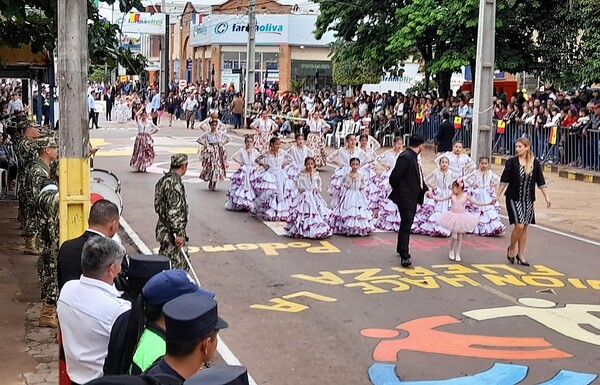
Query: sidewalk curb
{"x": 562, "y": 171}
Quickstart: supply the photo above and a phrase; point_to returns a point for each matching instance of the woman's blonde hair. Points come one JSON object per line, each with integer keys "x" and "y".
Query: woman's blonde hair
{"x": 529, "y": 156}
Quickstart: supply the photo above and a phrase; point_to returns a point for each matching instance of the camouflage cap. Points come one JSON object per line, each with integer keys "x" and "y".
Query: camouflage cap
{"x": 178, "y": 160}
{"x": 46, "y": 142}
{"x": 24, "y": 124}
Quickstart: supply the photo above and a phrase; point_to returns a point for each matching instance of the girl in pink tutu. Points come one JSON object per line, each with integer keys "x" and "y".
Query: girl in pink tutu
{"x": 309, "y": 214}
{"x": 351, "y": 215}
{"x": 241, "y": 196}
{"x": 457, "y": 220}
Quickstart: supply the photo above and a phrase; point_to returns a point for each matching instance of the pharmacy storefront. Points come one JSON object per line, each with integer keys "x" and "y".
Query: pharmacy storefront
{"x": 286, "y": 49}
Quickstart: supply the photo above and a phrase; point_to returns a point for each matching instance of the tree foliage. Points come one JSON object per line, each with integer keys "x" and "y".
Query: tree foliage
{"x": 354, "y": 73}
{"x": 35, "y": 23}
{"x": 553, "y": 38}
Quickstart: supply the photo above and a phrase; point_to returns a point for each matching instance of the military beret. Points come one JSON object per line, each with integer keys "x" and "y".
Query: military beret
{"x": 178, "y": 160}
{"x": 24, "y": 124}
{"x": 46, "y": 142}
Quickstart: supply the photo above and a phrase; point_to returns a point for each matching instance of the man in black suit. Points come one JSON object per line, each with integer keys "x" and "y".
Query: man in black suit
{"x": 408, "y": 189}
{"x": 445, "y": 134}
{"x": 103, "y": 222}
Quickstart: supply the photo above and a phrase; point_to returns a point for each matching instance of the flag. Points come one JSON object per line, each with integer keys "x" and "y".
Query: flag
{"x": 134, "y": 17}
{"x": 419, "y": 118}
{"x": 500, "y": 127}
{"x": 457, "y": 122}
{"x": 197, "y": 18}
{"x": 553, "y": 135}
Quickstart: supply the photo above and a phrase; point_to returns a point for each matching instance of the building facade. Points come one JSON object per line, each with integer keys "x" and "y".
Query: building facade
{"x": 213, "y": 45}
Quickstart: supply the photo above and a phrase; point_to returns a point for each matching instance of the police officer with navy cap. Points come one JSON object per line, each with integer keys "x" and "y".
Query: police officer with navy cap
{"x": 220, "y": 375}
{"x": 192, "y": 322}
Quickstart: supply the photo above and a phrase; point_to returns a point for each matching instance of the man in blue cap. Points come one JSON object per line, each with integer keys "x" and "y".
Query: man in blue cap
{"x": 220, "y": 375}
{"x": 159, "y": 290}
{"x": 192, "y": 323}
{"x": 137, "y": 339}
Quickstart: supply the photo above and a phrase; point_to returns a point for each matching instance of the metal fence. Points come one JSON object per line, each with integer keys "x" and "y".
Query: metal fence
{"x": 551, "y": 144}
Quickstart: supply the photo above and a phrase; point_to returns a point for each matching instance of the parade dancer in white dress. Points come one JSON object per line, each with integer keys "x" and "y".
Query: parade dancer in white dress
{"x": 213, "y": 155}
{"x": 296, "y": 155}
{"x": 315, "y": 140}
{"x": 341, "y": 158}
{"x": 264, "y": 127}
{"x": 439, "y": 182}
{"x": 309, "y": 214}
{"x": 367, "y": 170}
{"x": 143, "y": 147}
{"x": 214, "y": 116}
{"x": 388, "y": 218}
{"x": 482, "y": 185}
{"x": 373, "y": 143}
{"x": 460, "y": 164}
{"x": 273, "y": 187}
{"x": 122, "y": 110}
{"x": 241, "y": 195}
{"x": 351, "y": 215}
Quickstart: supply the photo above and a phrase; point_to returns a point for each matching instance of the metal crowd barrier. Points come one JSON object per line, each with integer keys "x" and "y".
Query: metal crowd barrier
{"x": 559, "y": 145}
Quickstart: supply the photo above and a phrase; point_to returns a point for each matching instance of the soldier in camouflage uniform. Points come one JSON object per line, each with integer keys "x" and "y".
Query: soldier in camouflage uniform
{"x": 48, "y": 243}
{"x": 26, "y": 151}
{"x": 170, "y": 203}
{"x": 36, "y": 173}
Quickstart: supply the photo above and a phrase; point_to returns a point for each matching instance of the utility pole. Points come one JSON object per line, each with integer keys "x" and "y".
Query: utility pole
{"x": 250, "y": 59}
{"x": 165, "y": 57}
{"x": 74, "y": 136}
{"x": 483, "y": 131}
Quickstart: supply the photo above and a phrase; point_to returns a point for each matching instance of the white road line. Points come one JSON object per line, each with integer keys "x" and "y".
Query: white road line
{"x": 222, "y": 347}
{"x": 562, "y": 233}
{"x": 137, "y": 241}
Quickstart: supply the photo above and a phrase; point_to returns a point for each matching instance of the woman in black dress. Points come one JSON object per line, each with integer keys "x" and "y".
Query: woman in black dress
{"x": 521, "y": 174}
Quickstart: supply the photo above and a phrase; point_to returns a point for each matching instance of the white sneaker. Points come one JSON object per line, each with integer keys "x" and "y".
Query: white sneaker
{"x": 451, "y": 255}
{"x": 457, "y": 258}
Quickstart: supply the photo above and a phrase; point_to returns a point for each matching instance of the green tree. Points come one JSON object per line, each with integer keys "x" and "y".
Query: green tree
{"x": 362, "y": 28}
{"x": 546, "y": 37}
{"x": 296, "y": 85}
{"x": 98, "y": 74}
{"x": 34, "y": 23}
{"x": 588, "y": 67}
{"x": 354, "y": 73}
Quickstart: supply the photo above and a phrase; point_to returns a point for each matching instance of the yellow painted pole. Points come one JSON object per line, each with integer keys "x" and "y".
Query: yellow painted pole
{"x": 74, "y": 170}
{"x": 74, "y": 137}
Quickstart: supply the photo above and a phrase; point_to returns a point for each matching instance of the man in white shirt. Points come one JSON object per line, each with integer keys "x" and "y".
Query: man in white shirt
{"x": 88, "y": 307}
{"x": 15, "y": 104}
{"x": 310, "y": 102}
{"x": 92, "y": 114}
{"x": 155, "y": 107}
{"x": 189, "y": 106}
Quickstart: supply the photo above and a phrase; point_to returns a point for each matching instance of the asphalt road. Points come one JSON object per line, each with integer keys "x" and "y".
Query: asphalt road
{"x": 343, "y": 311}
